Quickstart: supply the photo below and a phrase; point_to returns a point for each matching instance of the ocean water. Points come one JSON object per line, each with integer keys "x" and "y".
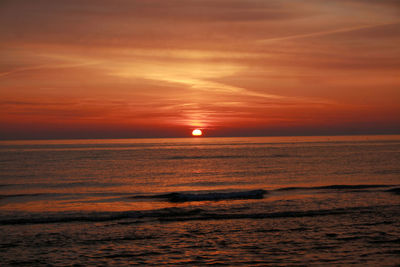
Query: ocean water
{"x": 198, "y": 201}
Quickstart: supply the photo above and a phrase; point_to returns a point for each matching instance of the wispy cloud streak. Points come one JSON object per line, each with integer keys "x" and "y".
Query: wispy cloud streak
{"x": 327, "y": 32}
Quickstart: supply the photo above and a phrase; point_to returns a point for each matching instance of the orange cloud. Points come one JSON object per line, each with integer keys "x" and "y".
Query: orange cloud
{"x": 141, "y": 68}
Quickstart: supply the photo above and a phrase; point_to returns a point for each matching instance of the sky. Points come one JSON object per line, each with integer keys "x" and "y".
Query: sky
{"x": 157, "y": 68}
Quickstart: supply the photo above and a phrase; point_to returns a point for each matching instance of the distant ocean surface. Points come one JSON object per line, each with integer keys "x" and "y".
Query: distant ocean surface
{"x": 197, "y": 201}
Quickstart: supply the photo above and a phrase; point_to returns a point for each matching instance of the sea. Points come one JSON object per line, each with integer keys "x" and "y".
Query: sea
{"x": 259, "y": 201}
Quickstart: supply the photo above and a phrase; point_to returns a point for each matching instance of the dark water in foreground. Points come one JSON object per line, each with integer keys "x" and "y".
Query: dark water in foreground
{"x": 232, "y": 201}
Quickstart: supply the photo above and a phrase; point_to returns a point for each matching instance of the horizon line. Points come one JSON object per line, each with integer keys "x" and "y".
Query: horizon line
{"x": 202, "y": 137}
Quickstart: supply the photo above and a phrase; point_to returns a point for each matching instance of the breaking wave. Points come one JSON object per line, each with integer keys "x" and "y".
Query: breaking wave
{"x": 178, "y": 197}
{"x": 213, "y": 196}
{"x": 183, "y": 197}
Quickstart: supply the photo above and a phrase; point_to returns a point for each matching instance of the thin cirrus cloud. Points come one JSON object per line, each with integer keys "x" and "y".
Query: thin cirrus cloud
{"x": 141, "y": 68}
{"x": 329, "y": 32}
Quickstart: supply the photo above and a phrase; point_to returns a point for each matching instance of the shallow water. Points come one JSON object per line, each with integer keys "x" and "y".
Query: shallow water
{"x": 326, "y": 200}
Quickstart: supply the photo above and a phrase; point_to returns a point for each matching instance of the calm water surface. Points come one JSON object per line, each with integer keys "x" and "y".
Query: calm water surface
{"x": 234, "y": 201}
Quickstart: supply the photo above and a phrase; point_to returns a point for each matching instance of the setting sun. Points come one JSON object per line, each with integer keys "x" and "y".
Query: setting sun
{"x": 197, "y": 132}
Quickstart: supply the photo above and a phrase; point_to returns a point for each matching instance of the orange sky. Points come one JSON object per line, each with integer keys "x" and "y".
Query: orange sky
{"x": 155, "y": 68}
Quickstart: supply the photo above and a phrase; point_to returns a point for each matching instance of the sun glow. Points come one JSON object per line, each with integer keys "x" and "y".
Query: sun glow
{"x": 197, "y": 132}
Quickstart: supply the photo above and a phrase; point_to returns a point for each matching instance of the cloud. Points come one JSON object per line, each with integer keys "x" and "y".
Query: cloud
{"x": 198, "y": 62}
{"x": 328, "y": 32}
